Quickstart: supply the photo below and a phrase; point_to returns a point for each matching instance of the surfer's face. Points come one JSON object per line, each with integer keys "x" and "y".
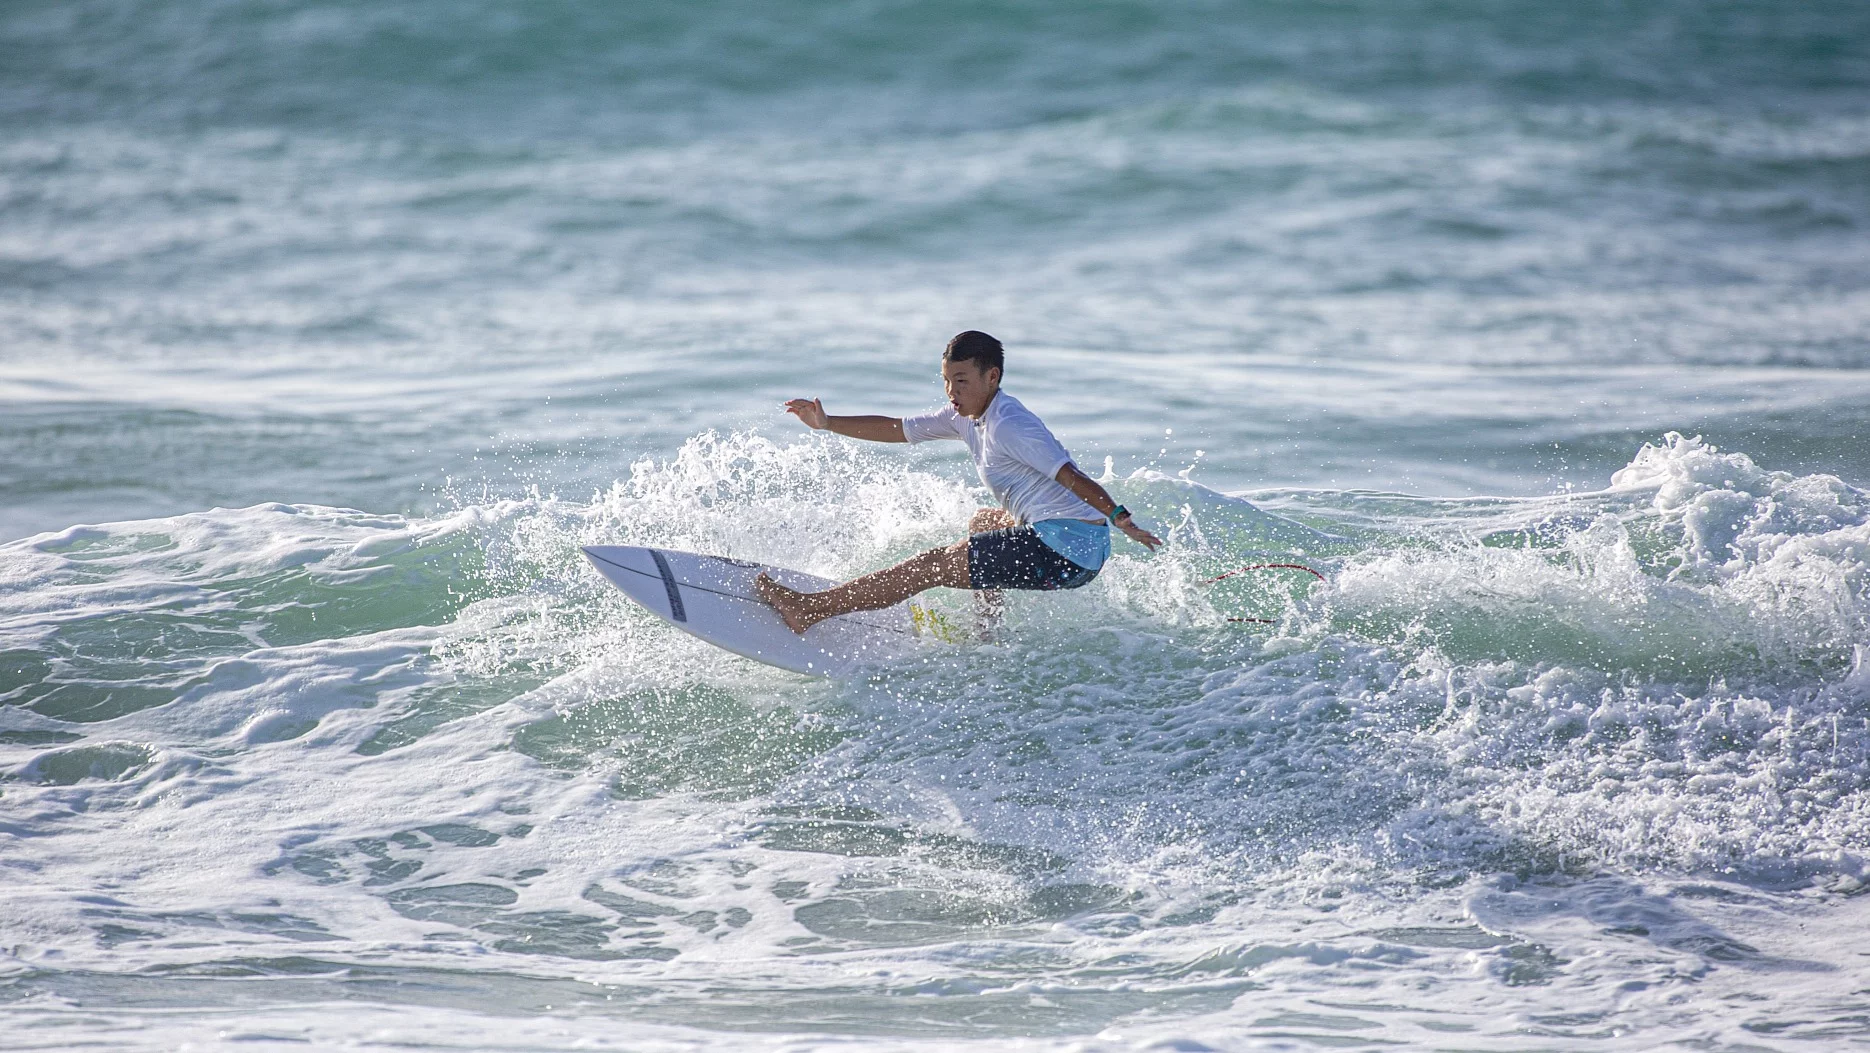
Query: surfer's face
{"x": 970, "y": 387}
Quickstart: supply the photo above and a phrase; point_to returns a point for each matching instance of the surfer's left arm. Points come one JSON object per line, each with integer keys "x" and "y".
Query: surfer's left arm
{"x": 1099, "y": 498}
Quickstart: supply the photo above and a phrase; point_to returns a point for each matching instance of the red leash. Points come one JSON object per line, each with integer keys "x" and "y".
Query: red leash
{"x": 1263, "y": 566}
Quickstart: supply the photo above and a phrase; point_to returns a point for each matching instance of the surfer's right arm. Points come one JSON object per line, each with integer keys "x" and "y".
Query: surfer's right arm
{"x": 870, "y": 427}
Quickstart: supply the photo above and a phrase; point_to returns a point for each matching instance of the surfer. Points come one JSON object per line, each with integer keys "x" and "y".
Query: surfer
{"x": 1052, "y": 530}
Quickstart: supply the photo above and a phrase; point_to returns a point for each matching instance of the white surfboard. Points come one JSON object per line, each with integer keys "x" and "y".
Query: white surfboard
{"x": 712, "y": 597}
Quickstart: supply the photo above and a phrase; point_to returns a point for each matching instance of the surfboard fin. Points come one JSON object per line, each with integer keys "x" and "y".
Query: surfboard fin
{"x": 933, "y": 623}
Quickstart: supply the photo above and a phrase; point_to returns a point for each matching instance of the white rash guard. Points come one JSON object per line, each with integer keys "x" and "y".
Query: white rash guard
{"x": 1016, "y": 454}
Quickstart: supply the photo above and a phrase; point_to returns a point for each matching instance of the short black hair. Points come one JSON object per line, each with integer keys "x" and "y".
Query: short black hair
{"x": 976, "y": 347}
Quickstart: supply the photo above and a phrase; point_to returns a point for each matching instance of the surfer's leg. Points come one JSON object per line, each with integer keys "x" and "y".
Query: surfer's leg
{"x": 989, "y": 604}
{"x": 875, "y": 591}
{"x": 986, "y": 519}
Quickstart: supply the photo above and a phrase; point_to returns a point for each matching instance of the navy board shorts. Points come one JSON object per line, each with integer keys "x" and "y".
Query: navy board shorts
{"x": 1017, "y": 558}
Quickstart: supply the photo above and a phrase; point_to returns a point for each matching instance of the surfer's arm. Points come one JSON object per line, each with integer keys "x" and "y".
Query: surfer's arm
{"x": 1099, "y": 498}
{"x": 871, "y": 428}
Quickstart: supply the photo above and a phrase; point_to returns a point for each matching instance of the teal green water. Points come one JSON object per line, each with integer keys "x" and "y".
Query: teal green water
{"x": 329, "y": 331}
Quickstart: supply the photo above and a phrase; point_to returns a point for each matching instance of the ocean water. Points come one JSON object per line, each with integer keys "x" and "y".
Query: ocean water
{"x": 330, "y": 330}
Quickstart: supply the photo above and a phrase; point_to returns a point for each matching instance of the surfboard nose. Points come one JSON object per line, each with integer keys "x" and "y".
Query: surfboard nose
{"x": 712, "y": 597}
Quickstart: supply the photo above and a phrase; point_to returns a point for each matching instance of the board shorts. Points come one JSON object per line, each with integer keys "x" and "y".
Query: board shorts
{"x": 1017, "y": 558}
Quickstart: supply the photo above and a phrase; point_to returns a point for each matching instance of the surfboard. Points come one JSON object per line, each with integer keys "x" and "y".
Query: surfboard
{"x": 712, "y": 597}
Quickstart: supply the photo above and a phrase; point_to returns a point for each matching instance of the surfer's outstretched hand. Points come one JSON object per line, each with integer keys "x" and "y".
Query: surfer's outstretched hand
{"x": 1140, "y": 536}
{"x": 809, "y": 411}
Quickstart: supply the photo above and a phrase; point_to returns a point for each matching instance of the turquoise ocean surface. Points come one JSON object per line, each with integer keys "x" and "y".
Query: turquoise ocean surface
{"x": 331, "y": 329}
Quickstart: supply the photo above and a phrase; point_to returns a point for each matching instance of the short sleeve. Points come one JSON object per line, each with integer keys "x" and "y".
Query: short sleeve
{"x": 943, "y": 423}
{"x": 1031, "y": 443}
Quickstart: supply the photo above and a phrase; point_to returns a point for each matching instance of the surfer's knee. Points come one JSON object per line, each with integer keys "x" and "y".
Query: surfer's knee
{"x": 952, "y": 566}
{"x": 985, "y": 519}
{"x": 945, "y": 556}
{"x": 938, "y": 566}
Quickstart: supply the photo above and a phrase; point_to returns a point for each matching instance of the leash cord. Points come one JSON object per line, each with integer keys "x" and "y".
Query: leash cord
{"x": 1262, "y": 566}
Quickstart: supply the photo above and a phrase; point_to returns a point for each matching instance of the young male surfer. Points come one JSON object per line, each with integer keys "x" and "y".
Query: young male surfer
{"x": 1051, "y": 531}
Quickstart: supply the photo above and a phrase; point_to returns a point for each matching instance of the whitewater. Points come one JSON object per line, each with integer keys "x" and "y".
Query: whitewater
{"x": 331, "y": 331}
{"x": 502, "y": 807}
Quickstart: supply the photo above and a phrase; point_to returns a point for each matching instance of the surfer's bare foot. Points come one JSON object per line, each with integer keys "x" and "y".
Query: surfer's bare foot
{"x": 785, "y": 601}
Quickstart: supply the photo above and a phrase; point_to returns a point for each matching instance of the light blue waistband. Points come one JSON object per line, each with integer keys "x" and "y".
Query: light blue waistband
{"x": 1086, "y": 544}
